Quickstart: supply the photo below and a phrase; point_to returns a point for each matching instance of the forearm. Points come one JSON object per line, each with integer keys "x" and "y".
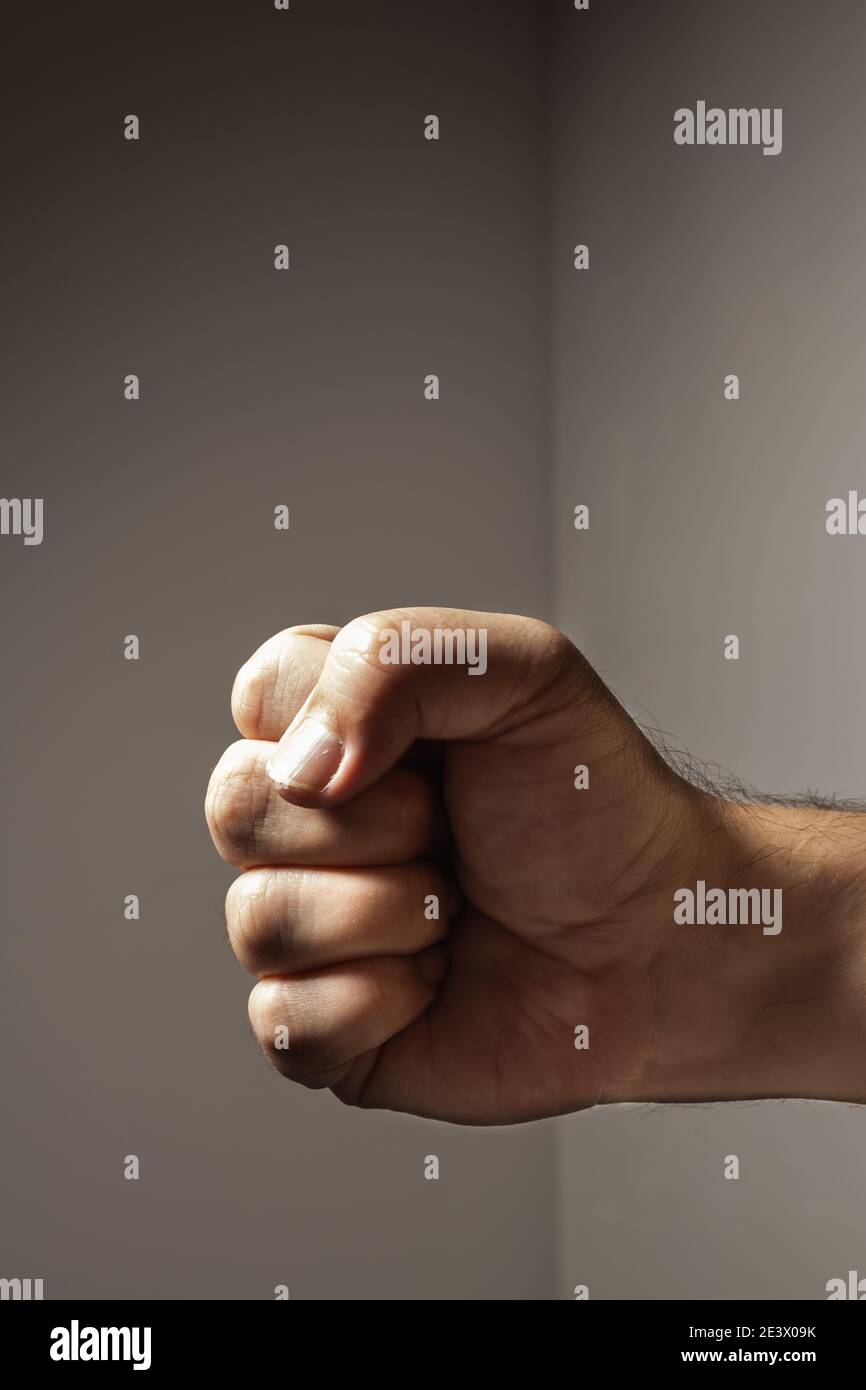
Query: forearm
{"x": 764, "y": 996}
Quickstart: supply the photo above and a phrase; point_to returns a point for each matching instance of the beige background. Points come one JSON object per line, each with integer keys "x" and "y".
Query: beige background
{"x": 707, "y": 518}
{"x": 307, "y": 389}
{"x": 257, "y": 389}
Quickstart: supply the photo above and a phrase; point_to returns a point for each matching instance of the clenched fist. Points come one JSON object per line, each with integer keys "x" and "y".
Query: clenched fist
{"x": 447, "y": 917}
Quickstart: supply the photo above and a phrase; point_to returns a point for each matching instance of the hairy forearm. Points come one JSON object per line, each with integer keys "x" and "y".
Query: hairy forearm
{"x": 763, "y": 995}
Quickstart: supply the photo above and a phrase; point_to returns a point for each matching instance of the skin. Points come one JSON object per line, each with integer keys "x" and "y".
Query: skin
{"x": 556, "y": 905}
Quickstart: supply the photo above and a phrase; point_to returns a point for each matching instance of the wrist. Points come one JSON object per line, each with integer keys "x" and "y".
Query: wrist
{"x": 808, "y": 999}
{"x": 761, "y": 983}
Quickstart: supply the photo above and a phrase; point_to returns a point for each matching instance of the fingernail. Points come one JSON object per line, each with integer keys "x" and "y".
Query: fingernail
{"x": 308, "y": 757}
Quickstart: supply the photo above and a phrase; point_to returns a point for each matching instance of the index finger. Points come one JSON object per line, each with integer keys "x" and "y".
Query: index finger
{"x": 273, "y": 684}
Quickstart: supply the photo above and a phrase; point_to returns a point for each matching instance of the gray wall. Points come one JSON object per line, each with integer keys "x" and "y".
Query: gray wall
{"x": 707, "y": 518}
{"x": 257, "y": 388}
{"x": 306, "y": 388}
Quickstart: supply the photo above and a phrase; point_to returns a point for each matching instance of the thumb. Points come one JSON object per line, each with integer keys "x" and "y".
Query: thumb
{"x": 423, "y": 673}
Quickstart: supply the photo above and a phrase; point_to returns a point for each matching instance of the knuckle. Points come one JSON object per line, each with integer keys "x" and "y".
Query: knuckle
{"x": 272, "y": 683}
{"x": 249, "y": 693}
{"x": 247, "y": 919}
{"x": 556, "y": 649}
{"x": 231, "y": 805}
{"x": 285, "y": 1033}
{"x": 358, "y": 646}
{"x": 270, "y": 1019}
{"x": 564, "y": 676}
{"x": 255, "y": 684}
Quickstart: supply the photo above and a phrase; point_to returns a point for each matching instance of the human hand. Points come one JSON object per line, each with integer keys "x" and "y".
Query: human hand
{"x": 556, "y": 904}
